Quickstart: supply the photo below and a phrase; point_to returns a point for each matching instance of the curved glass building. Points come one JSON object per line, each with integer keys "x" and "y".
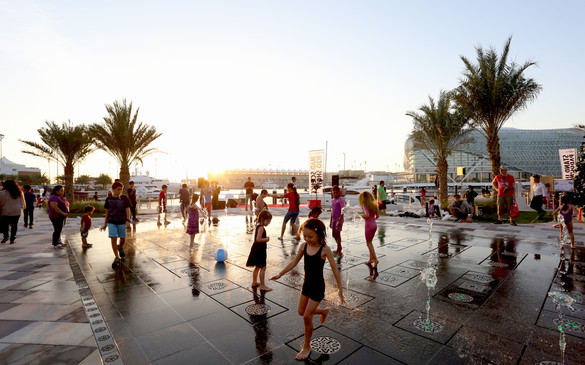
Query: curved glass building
{"x": 524, "y": 151}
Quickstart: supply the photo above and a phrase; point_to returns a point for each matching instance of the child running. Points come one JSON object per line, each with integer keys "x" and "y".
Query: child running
{"x": 293, "y": 209}
{"x": 566, "y": 210}
{"x": 162, "y": 205}
{"x": 193, "y": 222}
{"x": 117, "y": 215}
{"x": 369, "y": 214}
{"x": 86, "y": 225}
{"x": 336, "y": 222}
{"x": 257, "y": 256}
{"x": 314, "y": 251}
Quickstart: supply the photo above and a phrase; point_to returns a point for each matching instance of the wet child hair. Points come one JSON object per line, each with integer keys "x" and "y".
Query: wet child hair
{"x": 194, "y": 198}
{"x": 88, "y": 209}
{"x": 116, "y": 185}
{"x": 315, "y": 212}
{"x": 316, "y": 225}
{"x": 263, "y": 216}
{"x": 565, "y": 199}
{"x": 264, "y": 191}
{"x": 336, "y": 188}
{"x": 366, "y": 198}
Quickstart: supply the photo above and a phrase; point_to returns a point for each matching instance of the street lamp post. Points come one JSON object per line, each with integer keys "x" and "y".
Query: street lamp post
{"x": 343, "y": 161}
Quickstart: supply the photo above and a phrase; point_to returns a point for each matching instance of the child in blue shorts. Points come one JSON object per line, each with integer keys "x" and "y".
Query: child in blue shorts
{"x": 117, "y": 216}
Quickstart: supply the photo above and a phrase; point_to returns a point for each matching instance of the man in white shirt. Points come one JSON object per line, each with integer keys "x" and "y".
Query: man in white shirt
{"x": 538, "y": 194}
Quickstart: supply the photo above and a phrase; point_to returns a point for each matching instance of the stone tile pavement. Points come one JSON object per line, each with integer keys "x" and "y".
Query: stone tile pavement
{"x": 171, "y": 303}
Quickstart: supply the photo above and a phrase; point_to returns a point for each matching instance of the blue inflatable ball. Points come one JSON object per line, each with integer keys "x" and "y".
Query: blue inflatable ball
{"x": 221, "y": 255}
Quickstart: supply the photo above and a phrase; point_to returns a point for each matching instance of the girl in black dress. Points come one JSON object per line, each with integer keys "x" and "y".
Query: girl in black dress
{"x": 314, "y": 251}
{"x": 257, "y": 256}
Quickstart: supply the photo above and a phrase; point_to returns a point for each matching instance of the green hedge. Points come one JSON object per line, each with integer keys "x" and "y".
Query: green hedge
{"x": 78, "y": 208}
{"x": 488, "y": 206}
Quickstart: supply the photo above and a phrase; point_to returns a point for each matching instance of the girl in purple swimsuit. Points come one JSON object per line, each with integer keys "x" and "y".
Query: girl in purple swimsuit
{"x": 566, "y": 210}
{"x": 370, "y": 214}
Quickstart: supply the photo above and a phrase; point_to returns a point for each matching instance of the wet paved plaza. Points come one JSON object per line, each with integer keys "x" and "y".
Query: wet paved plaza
{"x": 172, "y": 303}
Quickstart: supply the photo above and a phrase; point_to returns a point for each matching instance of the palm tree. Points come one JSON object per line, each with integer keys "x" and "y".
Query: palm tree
{"x": 440, "y": 128}
{"x": 67, "y": 144}
{"x": 493, "y": 90}
{"x": 123, "y": 137}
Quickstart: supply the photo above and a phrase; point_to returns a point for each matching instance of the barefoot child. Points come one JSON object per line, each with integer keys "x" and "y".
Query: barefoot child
{"x": 257, "y": 256}
{"x": 566, "y": 209}
{"x": 193, "y": 222}
{"x": 336, "y": 222}
{"x": 369, "y": 214}
{"x": 117, "y": 215}
{"x": 314, "y": 251}
{"x": 86, "y": 225}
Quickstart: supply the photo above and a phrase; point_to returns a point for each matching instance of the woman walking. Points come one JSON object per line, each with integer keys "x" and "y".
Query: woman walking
{"x": 58, "y": 213}
{"x": 11, "y": 206}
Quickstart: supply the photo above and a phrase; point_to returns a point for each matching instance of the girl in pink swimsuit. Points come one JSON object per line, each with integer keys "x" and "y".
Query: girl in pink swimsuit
{"x": 370, "y": 214}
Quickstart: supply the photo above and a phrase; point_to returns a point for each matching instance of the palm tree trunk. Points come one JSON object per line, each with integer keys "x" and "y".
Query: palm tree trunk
{"x": 124, "y": 176}
{"x": 69, "y": 172}
{"x": 493, "y": 148}
{"x": 442, "y": 169}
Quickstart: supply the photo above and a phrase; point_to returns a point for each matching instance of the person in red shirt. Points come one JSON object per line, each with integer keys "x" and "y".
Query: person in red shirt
{"x": 86, "y": 225}
{"x": 504, "y": 183}
{"x": 162, "y": 205}
{"x": 293, "y": 208}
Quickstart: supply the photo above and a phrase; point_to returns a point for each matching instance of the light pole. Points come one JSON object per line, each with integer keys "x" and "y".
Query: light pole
{"x": 344, "y": 161}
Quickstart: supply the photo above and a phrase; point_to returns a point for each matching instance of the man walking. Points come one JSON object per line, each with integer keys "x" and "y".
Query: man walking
{"x": 538, "y": 194}
{"x": 132, "y": 198}
{"x": 382, "y": 198}
{"x": 504, "y": 183}
{"x": 249, "y": 186}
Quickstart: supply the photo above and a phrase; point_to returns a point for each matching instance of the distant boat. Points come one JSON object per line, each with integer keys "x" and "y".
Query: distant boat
{"x": 269, "y": 185}
{"x": 148, "y": 187}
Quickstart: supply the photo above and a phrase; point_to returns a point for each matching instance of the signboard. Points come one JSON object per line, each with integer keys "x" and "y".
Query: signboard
{"x": 564, "y": 185}
{"x": 316, "y": 172}
{"x": 568, "y": 157}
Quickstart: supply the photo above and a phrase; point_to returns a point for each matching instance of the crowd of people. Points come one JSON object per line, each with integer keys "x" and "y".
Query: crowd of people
{"x": 120, "y": 210}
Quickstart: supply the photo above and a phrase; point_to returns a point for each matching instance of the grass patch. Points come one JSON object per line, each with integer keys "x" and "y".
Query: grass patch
{"x": 525, "y": 218}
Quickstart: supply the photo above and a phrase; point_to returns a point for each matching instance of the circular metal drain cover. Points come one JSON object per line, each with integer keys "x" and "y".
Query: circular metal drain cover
{"x": 425, "y": 326}
{"x": 388, "y": 278}
{"x": 295, "y": 279}
{"x": 351, "y": 298}
{"x": 460, "y": 297}
{"x": 190, "y": 270}
{"x": 325, "y": 345}
{"x": 481, "y": 278}
{"x": 417, "y": 265}
{"x": 108, "y": 348}
{"x": 258, "y": 309}
{"x": 569, "y": 325}
{"x": 217, "y": 286}
{"x": 111, "y": 358}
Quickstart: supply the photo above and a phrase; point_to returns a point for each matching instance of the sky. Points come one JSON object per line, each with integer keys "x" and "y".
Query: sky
{"x": 258, "y": 84}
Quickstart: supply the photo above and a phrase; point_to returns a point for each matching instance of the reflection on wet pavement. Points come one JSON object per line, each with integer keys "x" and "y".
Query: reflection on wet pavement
{"x": 172, "y": 302}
